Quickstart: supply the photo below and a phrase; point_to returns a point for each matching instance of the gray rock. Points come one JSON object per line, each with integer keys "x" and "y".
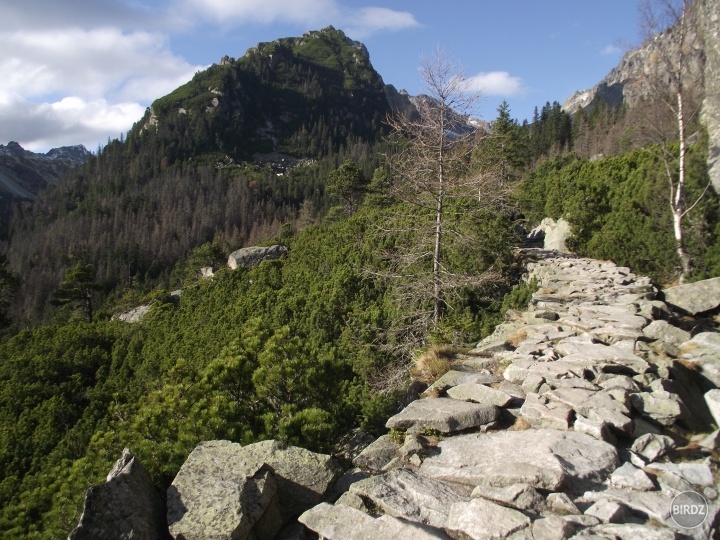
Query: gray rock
{"x": 542, "y": 413}
{"x": 628, "y": 476}
{"x": 345, "y": 523}
{"x": 544, "y": 459}
{"x": 667, "y": 332}
{"x": 712, "y": 441}
{"x": 696, "y": 473}
{"x": 127, "y": 505}
{"x": 205, "y": 501}
{"x": 695, "y": 297}
{"x": 607, "y": 511}
{"x": 652, "y": 447}
{"x": 414, "y": 445}
{"x": 552, "y": 528}
{"x": 595, "y": 428}
{"x": 353, "y": 501}
{"x": 350, "y": 445}
{"x": 134, "y": 315}
{"x": 443, "y": 414}
{"x": 598, "y": 406}
{"x": 560, "y": 503}
{"x": 555, "y": 234}
{"x": 712, "y": 398}
{"x": 217, "y": 471}
{"x": 454, "y": 378}
{"x": 481, "y": 518}
{"x": 377, "y": 454}
{"x": 631, "y": 531}
{"x": 653, "y": 504}
{"x": 599, "y": 355}
{"x": 252, "y": 256}
{"x": 479, "y": 393}
{"x": 582, "y": 520}
{"x": 519, "y": 496}
{"x": 348, "y": 478}
{"x": 404, "y": 494}
{"x": 622, "y": 382}
{"x": 663, "y": 407}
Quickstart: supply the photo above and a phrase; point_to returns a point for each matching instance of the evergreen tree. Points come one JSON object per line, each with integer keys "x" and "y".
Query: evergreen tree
{"x": 78, "y": 287}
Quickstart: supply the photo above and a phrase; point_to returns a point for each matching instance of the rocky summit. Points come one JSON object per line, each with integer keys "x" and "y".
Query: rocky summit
{"x": 586, "y": 416}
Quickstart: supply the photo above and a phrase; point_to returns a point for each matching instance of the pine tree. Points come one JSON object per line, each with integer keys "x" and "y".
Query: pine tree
{"x": 78, "y": 287}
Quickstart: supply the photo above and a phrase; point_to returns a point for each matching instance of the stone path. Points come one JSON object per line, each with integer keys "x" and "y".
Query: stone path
{"x": 582, "y": 417}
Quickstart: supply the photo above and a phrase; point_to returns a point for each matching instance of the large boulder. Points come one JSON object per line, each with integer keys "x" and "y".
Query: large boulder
{"x": 542, "y": 458}
{"x": 554, "y": 234}
{"x": 252, "y": 256}
{"x": 695, "y": 297}
{"x": 126, "y": 506}
{"x": 228, "y": 490}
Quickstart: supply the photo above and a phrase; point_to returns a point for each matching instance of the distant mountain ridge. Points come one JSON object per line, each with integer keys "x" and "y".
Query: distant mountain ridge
{"x": 23, "y": 174}
{"x": 624, "y": 83}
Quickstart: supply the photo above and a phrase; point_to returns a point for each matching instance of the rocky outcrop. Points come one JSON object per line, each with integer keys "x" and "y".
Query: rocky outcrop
{"x": 225, "y": 490}
{"x": 551, "y": 234}
{"x": 125, "y": 506}
{"x": 709, "y": 28}
{"x": 252, "y": 256}
{"x": 599, "y": 424}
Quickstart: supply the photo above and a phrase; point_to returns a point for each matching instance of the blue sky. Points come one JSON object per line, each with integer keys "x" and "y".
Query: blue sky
{"x": 83, "y": 71}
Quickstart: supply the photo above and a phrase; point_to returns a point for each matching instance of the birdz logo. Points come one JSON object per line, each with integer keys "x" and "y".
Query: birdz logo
{"x": 689, "y": 510}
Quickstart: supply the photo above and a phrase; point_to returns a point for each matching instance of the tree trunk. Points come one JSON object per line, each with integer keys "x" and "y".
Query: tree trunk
{"x": 677, "y": 202}
{"x": 437, "y": 284}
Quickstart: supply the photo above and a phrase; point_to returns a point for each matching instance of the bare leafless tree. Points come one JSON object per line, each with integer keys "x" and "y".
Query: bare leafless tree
{"x": 430, "y": 166}
{"x": 673, "y": 78}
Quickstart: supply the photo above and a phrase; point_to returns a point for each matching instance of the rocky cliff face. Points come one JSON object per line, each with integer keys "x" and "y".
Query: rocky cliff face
{"x": 625, "y": 83}
{"x": 709, "y": 26}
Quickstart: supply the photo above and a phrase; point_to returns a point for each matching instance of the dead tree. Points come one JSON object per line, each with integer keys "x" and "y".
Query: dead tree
{"x": 431, "y": 169}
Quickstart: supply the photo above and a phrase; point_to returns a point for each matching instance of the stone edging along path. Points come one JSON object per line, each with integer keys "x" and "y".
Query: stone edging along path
{"x": 584, "y": 416}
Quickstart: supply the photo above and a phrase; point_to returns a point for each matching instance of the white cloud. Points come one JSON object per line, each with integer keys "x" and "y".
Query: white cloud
{"x": 611, "y": 50}
{"x": 369, "y": 20}
{"x": 359, "y": 23}
{"x": 234, "y": 12}
{"x": 497, "y": 83}
{"x": 69, "y": 86}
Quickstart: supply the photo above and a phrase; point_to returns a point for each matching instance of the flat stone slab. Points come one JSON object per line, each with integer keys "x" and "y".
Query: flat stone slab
{"x": 541, "y": 413}
{"x": 481, "y": 518}
{"x": 695, "y": 297}
{"x": 443, "y": 414}
{"x": 591, "y": 355}
{"x": 479, "y": 393}
{"x": 598, "y": 406}
{"x": 404, "y": 494}
{"x": 542, "y": 458}
{"x": 346, "y": 523}
{"x": 455, "y": 377}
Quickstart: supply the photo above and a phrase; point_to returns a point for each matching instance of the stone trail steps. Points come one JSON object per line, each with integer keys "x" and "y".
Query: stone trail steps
{"x": 576, "y": 419}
